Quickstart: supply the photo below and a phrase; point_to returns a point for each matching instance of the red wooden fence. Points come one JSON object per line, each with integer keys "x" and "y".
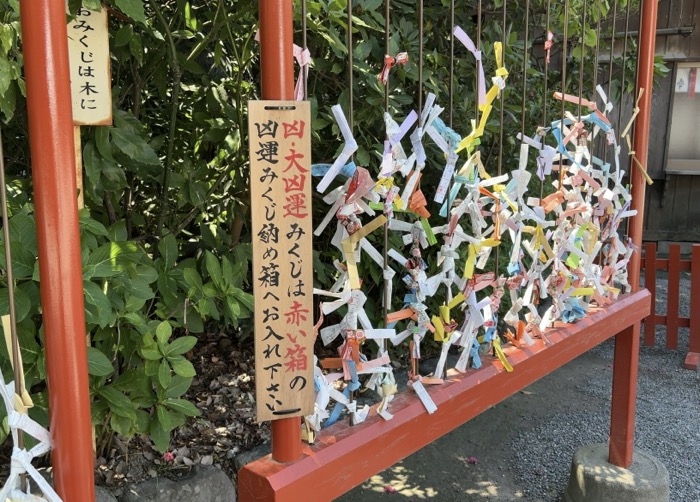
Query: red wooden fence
{"x": 671, "y": 318}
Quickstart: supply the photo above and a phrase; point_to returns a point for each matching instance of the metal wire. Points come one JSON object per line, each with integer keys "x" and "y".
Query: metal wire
{"x": 351, "y": 123}
{"x": 387, "y": 39}
{"x": 624, "y": 68}
{"x": 478, "y": 48}
{"x": 385, "y": 256}
{"x": 546, "y": 89}
{"x": 583, "y": 53}
{"x": 597, "y": 53}
{"x": 452, "y": 62}
{"x": 351, "y": 113}
{"x": 563, "y": 80}
{"x": 525, "y": 58}
{"x": 420, "y": 57}
{"x": 610, "y": 68}
{"x": 502, "y": 107}
{"x": 305, "y": 68}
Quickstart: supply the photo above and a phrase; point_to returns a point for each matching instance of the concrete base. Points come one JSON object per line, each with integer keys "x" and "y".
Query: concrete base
{"x": 593, "y": 479}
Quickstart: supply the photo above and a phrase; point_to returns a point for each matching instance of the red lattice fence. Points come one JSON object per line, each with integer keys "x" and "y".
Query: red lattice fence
{"x": 671, "y": 319}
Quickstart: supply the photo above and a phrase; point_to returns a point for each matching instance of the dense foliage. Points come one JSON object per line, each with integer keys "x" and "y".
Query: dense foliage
{"x": 165, "y": 241}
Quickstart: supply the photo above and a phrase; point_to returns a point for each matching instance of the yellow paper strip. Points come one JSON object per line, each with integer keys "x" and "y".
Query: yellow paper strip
{"x": 367, "y": 229}
{"x": 501, "y": 356}
{"x": 458, "y": 298}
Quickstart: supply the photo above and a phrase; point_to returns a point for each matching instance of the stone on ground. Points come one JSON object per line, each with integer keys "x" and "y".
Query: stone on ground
{"x": 593, "y": 479}
{"x": 205, "y": 484}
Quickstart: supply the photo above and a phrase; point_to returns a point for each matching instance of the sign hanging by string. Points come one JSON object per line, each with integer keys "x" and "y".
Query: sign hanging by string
{"x": 280, "y": 183}
{"x": 88, "y": 55}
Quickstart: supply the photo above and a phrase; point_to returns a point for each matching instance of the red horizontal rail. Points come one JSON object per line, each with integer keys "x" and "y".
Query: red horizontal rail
{"x": 346, "y": 456}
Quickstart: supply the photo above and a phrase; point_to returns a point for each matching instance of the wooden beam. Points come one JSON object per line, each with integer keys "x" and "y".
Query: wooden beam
{"x": 346, "y": 456}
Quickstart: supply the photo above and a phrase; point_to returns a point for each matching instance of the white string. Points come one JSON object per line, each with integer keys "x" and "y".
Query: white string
{"x": 21, "y": 462}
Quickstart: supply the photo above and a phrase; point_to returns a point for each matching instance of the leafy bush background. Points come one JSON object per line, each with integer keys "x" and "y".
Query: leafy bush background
{"x": 165, "y": 229}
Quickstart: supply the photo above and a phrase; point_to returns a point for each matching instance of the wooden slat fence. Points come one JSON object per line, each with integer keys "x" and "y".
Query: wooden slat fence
{"x": 671, "y": 319}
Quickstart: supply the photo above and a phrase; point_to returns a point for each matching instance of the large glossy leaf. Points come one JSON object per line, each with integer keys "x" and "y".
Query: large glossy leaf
{"x": 98, "y": 364}
{"x": 134, "y": 146}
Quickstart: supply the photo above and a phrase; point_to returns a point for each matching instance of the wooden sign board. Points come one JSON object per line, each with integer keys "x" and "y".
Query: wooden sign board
{"x": 88, "y": 55}
{"x": 280, "y": 188}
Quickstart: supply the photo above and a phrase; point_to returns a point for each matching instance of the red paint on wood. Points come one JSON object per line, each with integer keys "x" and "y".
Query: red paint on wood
{"x": 693, "y": 358}
{"x": 49, "y": 114}
{"x": 346, "y": 456}
{"x": 624, "y": 394}
{"x": 674, "y": 258}
{"x": 650, "y": 283}
{"x": 277, "y": 83}
{"x": 692, "y": 361}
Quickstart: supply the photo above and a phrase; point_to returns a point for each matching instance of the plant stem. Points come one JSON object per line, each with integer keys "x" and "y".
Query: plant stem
{"x": 177, "y": 75}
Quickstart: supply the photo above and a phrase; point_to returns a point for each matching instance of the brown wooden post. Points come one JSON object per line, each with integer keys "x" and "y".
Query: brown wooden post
{"x": 626, "y": 359}
{"x": 692, "y": 359}
{"x": 45, "y": 48}
{"x": 277, "y": 75}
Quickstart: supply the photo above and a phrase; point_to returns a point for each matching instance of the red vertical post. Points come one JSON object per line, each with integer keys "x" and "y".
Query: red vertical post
{"x": 626, "y": 359}
{"x": 45, "y": 46}
{"x": 692, "y": 359}
{"x": 277, "y": 75}
{"x": 650, "y": 284}
{"x": 673, "y": 284}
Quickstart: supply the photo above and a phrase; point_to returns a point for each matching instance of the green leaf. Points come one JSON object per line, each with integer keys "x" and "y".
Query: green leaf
{"x": 143, "y": 422}
{"x": 192, "y": 278}
{"x": 22, "y": 230}
{"x": 182, "y": 366}
{"x": 213, "y": 267}
{"x": 122, "y": 425}
{"x": 167, "y": 247}
{"x": 134, "y": 146}
{"x": 159, "y": 436}
{"x": 102, "y": 142}
{"x": 133, "y": 9}
{"x": 109, "y": 259}
{"x": 98, "y": 308}
{"x": 117, "y": 231}
{"x": 98, "y": 363}
{"x": 180, "y": 345}
{"x": 178, "y": 386}
{"x": 246, "y": 299}
{"x": 590, "y": 38}
{"x": 4, "y": 429}
{"x": 118, "y": 402}
{"x": 164, "y": 374}
{"x": 121, "y": 38}
{"x": 182, "y": 406}
{"x": 163, "y": 332}
{"x": 165, "y": 418}
{"x": 151, "y": 354}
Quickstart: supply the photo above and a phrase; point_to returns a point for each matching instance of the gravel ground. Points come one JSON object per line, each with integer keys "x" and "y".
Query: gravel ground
{"x": 522, "y": 448}
{"x": 667, "y": 420}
